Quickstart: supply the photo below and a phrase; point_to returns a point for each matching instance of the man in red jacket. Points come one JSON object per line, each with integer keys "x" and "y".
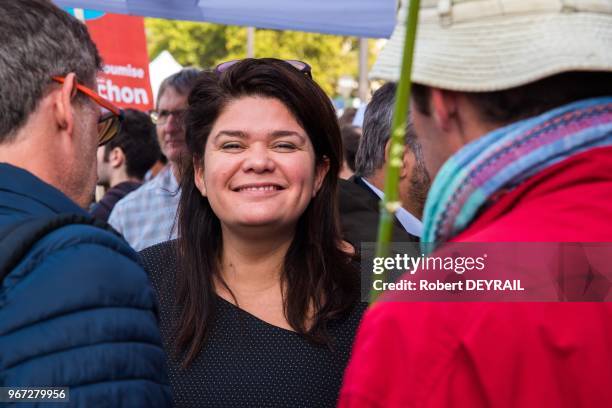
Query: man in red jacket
{"x": 512, "y": 104}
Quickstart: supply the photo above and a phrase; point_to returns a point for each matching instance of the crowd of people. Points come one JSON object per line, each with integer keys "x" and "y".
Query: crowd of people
{"x": 222, "y": 265}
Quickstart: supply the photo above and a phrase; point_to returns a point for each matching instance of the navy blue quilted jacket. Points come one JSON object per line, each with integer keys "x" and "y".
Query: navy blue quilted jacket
{"x": 78, "y": 310}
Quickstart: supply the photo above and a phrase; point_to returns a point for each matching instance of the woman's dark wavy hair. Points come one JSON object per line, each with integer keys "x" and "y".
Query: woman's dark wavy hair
{"x": 316, "y": 271}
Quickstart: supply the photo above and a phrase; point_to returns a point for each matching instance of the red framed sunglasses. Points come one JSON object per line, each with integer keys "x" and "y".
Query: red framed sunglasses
{"x": 109, "y": 123}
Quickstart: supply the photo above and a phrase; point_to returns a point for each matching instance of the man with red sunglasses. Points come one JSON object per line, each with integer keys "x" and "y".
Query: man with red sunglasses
{"x": 76, "y": 309}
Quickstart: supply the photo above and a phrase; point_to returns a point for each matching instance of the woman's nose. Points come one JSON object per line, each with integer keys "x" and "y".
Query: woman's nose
{"x": 258, "y": 159}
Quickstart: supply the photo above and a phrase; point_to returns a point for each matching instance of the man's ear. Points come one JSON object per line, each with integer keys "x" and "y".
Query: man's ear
{"x": 198, "y": 175}
{"x": 443, "y": 107}
{"x": 320, "y": 173}
{"x": 407, "y": 163}
{"x": 64, "y": 115}
{"x": 116, "y": 157}
{"x": 387, "y": 150}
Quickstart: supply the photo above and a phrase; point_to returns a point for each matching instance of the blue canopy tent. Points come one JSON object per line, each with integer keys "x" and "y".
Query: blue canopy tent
{"x": 361, "y": 18}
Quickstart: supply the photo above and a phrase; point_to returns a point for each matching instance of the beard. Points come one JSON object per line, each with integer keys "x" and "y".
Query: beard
{"x": 420, "y": 181}
{"x": 80, "y": 178}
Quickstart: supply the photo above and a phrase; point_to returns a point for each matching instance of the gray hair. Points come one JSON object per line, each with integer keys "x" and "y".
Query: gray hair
{"x": 376, "y": 131}
{"x": 182, "y": 82}
{"x": 39, "y": 41}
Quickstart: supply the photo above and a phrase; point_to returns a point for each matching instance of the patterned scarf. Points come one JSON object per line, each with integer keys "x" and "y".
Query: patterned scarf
{"x": 505, "y": 158}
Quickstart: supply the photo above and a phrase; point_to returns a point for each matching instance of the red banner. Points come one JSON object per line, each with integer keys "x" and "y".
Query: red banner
{"x": 122, "y": 44}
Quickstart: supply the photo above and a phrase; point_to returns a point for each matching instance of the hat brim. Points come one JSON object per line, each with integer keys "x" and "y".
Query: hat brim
{"x": 501, "y": 52}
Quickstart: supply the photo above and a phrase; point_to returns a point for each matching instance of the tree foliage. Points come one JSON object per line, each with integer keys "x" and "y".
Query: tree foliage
{"x": 205, "y": 45}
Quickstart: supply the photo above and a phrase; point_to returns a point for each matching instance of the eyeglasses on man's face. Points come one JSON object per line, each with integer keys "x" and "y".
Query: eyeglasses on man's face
{"x": 163, "y": 116}
{"x": 110, "y": 120}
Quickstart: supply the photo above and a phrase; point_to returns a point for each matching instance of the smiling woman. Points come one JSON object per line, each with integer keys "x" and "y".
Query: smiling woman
{"x": 259, "y": 168}
{"x": 259, "y": 302}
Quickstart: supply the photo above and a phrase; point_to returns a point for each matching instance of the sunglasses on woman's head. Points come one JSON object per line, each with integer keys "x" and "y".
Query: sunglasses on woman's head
{"x": 110, "y": 120}
{"x": 299, "y": 65}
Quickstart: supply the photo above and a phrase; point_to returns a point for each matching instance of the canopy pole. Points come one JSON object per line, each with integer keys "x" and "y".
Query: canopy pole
{"x": 250, "y": 42}
{"x": 364, "y": 85}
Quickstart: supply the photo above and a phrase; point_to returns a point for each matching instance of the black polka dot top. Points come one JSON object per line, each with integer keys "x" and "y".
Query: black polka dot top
{"x": 247, "y": 362}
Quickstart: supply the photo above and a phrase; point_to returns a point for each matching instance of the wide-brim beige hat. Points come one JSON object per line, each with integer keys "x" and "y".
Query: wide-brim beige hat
{"x": 489, "y": 45}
